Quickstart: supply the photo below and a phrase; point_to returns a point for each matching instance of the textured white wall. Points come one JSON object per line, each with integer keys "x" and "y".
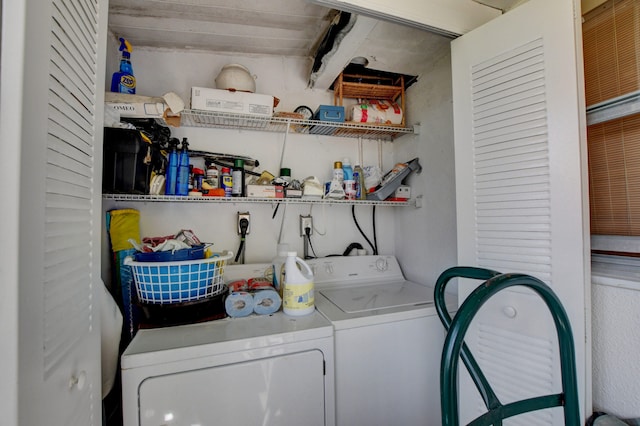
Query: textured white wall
{"x": 425, "y": 237}
{"x": 160, "y": 71}
{"x": 616, "y": 346}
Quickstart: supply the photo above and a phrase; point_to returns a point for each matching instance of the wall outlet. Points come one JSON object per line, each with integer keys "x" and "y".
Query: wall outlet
{"x": 245, "y": 215}
{"x": 306, "y": 222}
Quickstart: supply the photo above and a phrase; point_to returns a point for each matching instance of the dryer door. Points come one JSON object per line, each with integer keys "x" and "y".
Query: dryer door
{"x": 282, "y": 390}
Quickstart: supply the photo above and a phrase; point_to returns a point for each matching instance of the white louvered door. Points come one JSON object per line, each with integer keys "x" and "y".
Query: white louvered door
{"x": 519, "y": 132}
{"x": 59, "y": 108}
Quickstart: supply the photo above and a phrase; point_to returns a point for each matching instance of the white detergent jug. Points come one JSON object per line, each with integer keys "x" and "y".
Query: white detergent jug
{"x": 297, "y": 296}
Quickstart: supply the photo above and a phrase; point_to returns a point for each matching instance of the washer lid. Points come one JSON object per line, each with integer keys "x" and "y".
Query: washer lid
{"x": 379, "y": 296}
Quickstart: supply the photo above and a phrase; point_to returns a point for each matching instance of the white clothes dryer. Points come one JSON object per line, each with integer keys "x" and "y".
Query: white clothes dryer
{"x": 257, "y": 370}
{"x": 388, "y": 341}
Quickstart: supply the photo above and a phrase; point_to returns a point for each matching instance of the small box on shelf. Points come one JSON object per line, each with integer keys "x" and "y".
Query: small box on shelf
{"x": 234, "y": 102}
{"x": 328, "y": 113}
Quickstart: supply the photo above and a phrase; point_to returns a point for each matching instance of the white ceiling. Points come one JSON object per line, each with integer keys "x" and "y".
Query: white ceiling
{"x": 291, "y": 28}
{"x": 272, "y": 27}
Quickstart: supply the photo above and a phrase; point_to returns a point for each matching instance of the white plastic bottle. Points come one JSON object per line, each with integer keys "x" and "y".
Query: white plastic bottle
{"x": 298, "y": 297}
{"x": 277, "y": 266}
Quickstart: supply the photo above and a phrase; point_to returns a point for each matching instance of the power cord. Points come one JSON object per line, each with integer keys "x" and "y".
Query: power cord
{"x": 244, "y": 225}
{"x": 307, "y": 232}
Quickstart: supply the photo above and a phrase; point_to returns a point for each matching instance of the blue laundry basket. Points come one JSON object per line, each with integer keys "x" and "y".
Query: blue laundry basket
{"x": 177, "y": 282}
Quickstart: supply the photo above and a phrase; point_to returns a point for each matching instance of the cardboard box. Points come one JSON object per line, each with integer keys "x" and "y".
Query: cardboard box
{"x": 206, "y": 99}
{"x": 265, "y": 191}
{"x": 135, "y": 106}
{"x": 118, "y": 105}
{"x": 292, "y": 193}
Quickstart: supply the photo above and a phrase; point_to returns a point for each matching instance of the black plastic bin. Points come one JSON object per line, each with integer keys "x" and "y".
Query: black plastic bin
{"x": 126, "y": 164}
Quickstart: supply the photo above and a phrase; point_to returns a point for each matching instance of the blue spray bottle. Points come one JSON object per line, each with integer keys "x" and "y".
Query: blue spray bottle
{"x": 182, "y": 183}
{"x": 172, "y": 168}
{"x": 123, "y": 81}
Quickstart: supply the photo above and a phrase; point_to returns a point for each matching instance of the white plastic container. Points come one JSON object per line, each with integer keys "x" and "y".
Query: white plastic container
{"x": 277, "y": 266}
{"x": 298, "y": 294}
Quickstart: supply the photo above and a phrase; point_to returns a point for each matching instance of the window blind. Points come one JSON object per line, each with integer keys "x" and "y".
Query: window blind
{"x": 611, "y": 40}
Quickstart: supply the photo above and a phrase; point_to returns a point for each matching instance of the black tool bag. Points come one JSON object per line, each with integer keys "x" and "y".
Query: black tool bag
{"x": 126, "y": 164}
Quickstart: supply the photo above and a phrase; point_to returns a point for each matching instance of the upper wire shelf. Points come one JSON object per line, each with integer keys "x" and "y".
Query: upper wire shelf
{"x": 199, "y": 118}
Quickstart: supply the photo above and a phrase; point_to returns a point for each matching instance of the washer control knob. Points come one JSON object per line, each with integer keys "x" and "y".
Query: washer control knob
{"x": 510, "y": 311}
{"x": 381, "y": 264}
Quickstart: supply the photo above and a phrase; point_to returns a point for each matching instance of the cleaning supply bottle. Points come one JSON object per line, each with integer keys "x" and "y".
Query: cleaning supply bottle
{"x": 347, "y": 170}
{"x": 182, "y": 182}
{"x": 297, "y": 295}
{"x": 123, "y": 81}
{"x": 349, "y": 183}
{"x": 338, "y": 172}
{"x": 172, "y": 168}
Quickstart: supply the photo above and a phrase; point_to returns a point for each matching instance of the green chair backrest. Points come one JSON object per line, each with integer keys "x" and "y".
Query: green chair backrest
{"x": 455, "y": 349}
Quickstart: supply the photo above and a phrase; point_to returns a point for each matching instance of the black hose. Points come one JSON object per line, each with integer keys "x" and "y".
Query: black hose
{"x": 353, "y": 213}
{"x": 352, "y": 247}
{"x": 375, "y": 234}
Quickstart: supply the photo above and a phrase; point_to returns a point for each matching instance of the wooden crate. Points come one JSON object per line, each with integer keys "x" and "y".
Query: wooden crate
{"x": 368, "y": 87}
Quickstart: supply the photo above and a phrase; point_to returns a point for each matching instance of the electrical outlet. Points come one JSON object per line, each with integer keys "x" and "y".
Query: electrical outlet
{"x": 245, "y": 215}
{"x": 306, "y": 222}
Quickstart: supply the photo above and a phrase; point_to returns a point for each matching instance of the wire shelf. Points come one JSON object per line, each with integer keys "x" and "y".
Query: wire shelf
{"x": 198, "y": 118}
{"x": 244, "y": 200}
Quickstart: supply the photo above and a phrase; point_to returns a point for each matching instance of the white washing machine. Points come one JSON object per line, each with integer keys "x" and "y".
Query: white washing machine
{"x": 257, "y": 370}
{"x": 388, "y": 341}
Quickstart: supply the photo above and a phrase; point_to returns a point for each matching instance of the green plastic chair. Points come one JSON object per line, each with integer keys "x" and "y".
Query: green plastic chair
{"x": 455, "y": 349}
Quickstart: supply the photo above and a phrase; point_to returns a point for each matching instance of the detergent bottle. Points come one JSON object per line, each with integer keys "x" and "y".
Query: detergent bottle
{"x": 172, "y": 168}
{"x": 298, "y": 297}
{"x": 123, "y": 81}
{"x": 182, "y": 182}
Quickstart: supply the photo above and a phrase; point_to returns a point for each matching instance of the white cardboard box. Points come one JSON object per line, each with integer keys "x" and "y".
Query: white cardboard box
{"x": 206, "y": 99}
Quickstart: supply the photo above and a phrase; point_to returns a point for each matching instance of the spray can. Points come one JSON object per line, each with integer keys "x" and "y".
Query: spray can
{"x": 298, "y": 297}
{"x": 212, "y": 176}
{"x": 237, "y": 189}
{"x": 226, "y": 181}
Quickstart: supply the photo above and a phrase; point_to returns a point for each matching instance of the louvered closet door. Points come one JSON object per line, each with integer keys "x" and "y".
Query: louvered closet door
{"x": 519, "y": 149}
{"x": 59, "y": 254}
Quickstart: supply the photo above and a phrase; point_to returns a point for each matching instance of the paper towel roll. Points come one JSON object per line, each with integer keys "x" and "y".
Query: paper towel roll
{"x": 239, "y": 304}
{"x": 373, "y": 111}
{"x": 266, "y": 302}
